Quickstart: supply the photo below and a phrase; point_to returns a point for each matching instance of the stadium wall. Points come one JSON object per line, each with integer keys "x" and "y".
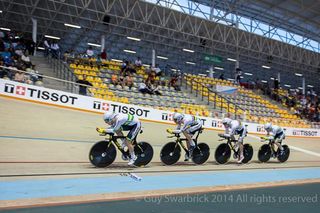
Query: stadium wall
{"x": 58, "y": 98}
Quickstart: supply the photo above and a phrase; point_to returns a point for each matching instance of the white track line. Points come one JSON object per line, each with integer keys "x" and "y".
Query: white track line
{"x": 294, "y": 148}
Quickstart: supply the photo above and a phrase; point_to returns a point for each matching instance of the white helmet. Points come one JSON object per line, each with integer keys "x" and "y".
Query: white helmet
{"x": 108, "y": 116}
{"x": 177, "y": 117}
{"x": 226, "y": 121}
{"x": 268, "y": 126}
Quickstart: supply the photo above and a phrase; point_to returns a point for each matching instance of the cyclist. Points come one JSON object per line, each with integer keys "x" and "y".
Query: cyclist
{"x": 123, "y": 122}
{"x": 276, "y": 134}
{"x": 232, "y": 128}
{"x": 188, "y": 125}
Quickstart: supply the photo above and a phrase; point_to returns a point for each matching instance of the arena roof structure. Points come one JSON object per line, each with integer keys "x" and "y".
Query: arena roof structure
{"x": 266, "y": 37}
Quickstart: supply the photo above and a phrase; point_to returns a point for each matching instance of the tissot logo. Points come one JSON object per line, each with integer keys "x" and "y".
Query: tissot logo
{"x": 9, "y": 88}
{"x": 96, "y": 105}
{"x": 99, "y": 105}
{"x": 105, "y": 106}
{"x": 167, "y": 116}
{"x": 20, "y": 90}
{"x": 304, "y": 133}
{"x": 216, "y": 123}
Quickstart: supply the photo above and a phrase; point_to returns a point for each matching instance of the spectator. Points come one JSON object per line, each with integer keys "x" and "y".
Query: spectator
{"x": 30, "y": 47}
{"x": 55, "y": 50}
{"x": 138, "y": 63}
{"x": 90, "y": 52}
{"x": 238, "y": 75}
{"x": 46, "y": 47}
{"x": 84, "y": 85}
{"x": 163, "y": 80}
{"x": 157, "y": 70}
{"x": 174, "y": 82}
{"x": 26, "y": 59}
{"x": 150, "y": 86}
{"x": 2, "y": 46}
{"x": 128, "y": 81}
{"x": 221, "y": 76}
{"x": 123, "y": 66}
{"x": 20, "y": 77}
{"x": 103, "y": 55}
{"x": 114, "y": 79}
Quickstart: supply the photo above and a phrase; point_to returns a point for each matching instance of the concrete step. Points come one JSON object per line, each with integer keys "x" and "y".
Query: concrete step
{"x": 44, "y": 68}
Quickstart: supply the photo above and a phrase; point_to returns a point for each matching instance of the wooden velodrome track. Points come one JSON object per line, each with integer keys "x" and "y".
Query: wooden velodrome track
{"x": 44, "y": 141}
{"x": 39, "y": 142}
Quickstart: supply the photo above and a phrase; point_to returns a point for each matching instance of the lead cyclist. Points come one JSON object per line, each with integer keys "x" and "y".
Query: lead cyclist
{"x": 123, "y": 122}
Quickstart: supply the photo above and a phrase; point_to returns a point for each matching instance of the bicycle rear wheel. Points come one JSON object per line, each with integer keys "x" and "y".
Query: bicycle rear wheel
{"x": 286, "y": 153}
{"x": 247, "y": 153}
{"x": 144, "y": 153}
{"x": 201, "y": 153}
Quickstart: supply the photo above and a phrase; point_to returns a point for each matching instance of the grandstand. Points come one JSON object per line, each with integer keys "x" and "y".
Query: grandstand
{"x": 265, "y": 53}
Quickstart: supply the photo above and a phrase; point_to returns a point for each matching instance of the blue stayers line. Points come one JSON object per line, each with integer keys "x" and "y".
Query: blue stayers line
{"x": 23, "y": 189}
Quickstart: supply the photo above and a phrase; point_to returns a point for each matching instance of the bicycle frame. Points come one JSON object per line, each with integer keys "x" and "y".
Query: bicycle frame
{"x": 229, "y": 142}
{"x": 114, "y": 139}
{"x": 271, "y": 145}
{"x": 179, "y": 140}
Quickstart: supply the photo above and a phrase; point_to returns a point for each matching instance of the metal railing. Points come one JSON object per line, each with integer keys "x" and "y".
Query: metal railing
{"x": 63, "y": 71}
{"x": 205, "y": 93}
{"x": 74, "y": 87}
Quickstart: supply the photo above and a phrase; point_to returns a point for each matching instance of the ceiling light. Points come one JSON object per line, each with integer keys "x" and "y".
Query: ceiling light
{"x": 298, "y": 74}
{"x": 95, "y": 45}
{"x": 266, "y": 67}
{"x": 5, "y": 29}
{"x": 71, "y": 25}
{"x": 247, "y": 73}
{"x": 310, "y": 86}
{"x": 287, "y": 85}
{"x": 41, "y": 48}
{"x": 162, "y": 57}
{"x": 130, "y": 51}
{"x": 218, "y": 68}
{"x": 53, "y": 37}
{"x": 231, "y": 59}
{"x": 133, "y": 38}
{"x": 263, "y": 81}
{"x": 188, "y": 50}
{"x": 192, "y": 63}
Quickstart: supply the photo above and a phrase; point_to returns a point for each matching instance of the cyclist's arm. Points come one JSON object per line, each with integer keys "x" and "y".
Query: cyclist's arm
{"x": 117, "y": 125}
{"x": 182, "y": 128}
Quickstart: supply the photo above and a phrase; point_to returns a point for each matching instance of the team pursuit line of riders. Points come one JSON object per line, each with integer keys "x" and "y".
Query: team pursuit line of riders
{"x": 103, "y": 153}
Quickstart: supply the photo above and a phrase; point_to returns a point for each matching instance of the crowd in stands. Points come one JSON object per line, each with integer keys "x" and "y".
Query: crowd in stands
{"x": 305, "y": 106}
{"x": 14, "y": 58}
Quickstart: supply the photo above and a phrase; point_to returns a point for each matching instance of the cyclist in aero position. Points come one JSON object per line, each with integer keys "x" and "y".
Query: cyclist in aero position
{"x": 119, "y": 123}
{"x": 232, "y": 128}
{"x": 276, "y": 134}
{"x": 188, "y": 125}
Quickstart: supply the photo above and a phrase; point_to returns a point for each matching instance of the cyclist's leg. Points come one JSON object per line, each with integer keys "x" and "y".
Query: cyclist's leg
{"x": 242, "y": 134}
{"x": 278, "y": 139}
{"x": 123, "y": 141}
{"x": 190, "y": 132}
{"x": 131, "y": 136}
